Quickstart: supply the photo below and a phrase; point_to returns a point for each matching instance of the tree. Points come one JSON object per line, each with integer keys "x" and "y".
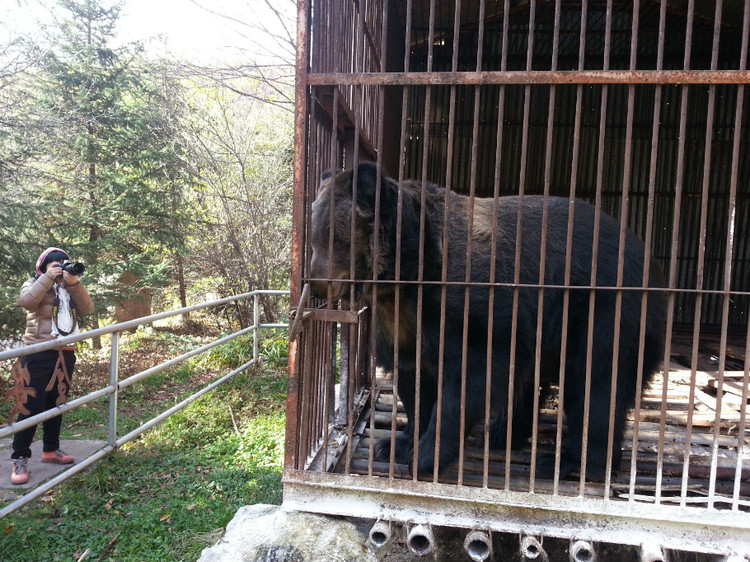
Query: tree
{"x": 130, "y": 164}
{"x": 109, "y": 168}
{"x": 268, "y": 32}
{"x": 19, "y": 147}
{"x": 243, "y": 148}
{"x": 115, "y": 161}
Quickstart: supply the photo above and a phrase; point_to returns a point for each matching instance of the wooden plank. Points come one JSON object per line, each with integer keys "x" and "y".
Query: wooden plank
{"x": 650, "y": 426}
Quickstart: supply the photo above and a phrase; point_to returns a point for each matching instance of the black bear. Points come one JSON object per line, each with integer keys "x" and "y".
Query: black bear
{"x": 412, "y": 234}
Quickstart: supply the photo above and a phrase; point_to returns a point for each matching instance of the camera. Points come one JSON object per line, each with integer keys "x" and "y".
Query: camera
{"x": 73, "y": 267}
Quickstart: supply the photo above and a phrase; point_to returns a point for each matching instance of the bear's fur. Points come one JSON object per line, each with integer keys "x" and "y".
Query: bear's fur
{"x": 334, "y": 202}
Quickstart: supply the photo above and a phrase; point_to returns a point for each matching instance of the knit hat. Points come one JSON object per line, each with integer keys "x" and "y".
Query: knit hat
{"x": 44, "y": 258}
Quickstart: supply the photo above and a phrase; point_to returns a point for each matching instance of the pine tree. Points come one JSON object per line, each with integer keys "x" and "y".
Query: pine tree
{"x": 115, "y": 165}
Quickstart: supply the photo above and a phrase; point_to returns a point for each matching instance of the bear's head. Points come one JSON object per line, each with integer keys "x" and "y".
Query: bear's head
{"x": 343, "y": 227}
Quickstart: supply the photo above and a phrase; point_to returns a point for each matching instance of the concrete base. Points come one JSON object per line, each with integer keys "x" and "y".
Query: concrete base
{"x": 270, "y": 533}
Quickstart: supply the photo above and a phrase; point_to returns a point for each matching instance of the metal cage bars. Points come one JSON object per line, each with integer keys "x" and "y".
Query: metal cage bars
{"x": 368, "y": 141}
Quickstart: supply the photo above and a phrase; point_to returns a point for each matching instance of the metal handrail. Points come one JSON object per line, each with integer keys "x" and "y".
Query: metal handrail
{"x": 130, "y": 324}
{"x": 112, "y": 390}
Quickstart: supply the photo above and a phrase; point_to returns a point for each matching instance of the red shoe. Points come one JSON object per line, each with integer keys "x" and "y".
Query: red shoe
{"x": 58, "y": 457}
{"x": 20, "y": 472}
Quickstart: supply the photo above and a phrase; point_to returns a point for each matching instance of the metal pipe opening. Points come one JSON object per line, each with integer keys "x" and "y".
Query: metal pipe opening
{"x": 478, "y": 546}
{"x": 531, "y": 548}
{"x": 582, "y": 551}
{"x": 420, "y": 540}
{"x": 652, "y": 553}
{"x": 380, "y": 534}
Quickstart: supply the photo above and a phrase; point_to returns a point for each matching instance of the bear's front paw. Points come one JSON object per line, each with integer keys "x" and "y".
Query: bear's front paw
{"x": 403, "y": 449}
{"x": 426, "y": 464}
{"x": 569, "y": 468}
{"x": 499, "y": 440}
{"x": 545, "y": 467}
{"x": 426, "y": 459}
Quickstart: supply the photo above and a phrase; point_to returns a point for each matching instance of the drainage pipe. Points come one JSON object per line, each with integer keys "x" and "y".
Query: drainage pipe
{"x": 651, "y": 552}
{"x": 380, "y": 534}
{"x": 478, "y": 545}
{"x": 531, "y": 548}
{"x": 420, "y": 540}
{"x": 582, "y": 551}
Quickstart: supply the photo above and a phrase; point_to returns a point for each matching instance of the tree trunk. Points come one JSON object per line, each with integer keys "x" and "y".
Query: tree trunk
{"x": 182, "y": 288}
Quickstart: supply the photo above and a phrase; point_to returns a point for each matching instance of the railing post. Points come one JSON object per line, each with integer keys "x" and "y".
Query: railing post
{"x": 113, "y": 378}
{"x": 256, "y": 321}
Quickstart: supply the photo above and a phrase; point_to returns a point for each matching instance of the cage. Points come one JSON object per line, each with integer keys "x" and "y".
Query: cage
{"x": 637, "y": 108}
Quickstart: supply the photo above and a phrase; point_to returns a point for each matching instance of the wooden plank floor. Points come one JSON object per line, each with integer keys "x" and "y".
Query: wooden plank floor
{"x": 663, "y": 425}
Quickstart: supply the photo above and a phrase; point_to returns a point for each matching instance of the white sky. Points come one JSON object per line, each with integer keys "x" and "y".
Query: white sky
{"x": 193, "y": 29}
{"x": 189, "y": 29}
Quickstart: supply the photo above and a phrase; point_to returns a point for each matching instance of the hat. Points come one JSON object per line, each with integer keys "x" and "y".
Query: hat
{"x": 43, "y": 258}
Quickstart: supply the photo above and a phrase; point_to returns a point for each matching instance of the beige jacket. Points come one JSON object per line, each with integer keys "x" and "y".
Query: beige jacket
{"x": 37, "y": 297}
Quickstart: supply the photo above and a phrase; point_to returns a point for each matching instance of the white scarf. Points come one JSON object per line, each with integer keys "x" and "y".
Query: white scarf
{"x": 64, "y": 323}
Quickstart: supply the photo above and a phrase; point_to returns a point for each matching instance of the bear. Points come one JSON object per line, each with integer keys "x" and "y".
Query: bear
{"x": 398, "y": 242}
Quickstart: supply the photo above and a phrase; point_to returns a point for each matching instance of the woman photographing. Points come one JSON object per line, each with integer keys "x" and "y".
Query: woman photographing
{"x": 53, "y": 299}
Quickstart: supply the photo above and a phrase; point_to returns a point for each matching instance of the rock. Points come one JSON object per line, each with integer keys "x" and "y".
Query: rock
{"x": 268, "y": 533}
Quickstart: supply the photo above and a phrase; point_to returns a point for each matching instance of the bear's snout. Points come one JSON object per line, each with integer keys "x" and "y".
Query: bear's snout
{"x": 319, "y": 268}
{"x": 319, "y": 289}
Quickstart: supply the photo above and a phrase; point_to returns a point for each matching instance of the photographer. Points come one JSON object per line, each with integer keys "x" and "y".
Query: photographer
{"x": 53, "y": 300}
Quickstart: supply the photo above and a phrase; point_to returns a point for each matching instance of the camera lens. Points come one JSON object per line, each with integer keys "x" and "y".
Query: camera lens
{"x": 74, "y": 268}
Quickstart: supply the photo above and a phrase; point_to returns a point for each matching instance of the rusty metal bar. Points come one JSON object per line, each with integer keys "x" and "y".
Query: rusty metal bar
{"x": 626, "y": 180}
{"x": 543, "y": 254}
{"x": 731, "y": 236}
{"x": 647, "y": 250}
{"x": 470, "y": 229}
{"x": 708, "y": 157}
{"x": 675, "y": 237}
{"x": 699, "y": 270}
{"x": 298, "y": 226}
{"x": 444, "y": 268}
{"x": 330, "y": 315}
{"x": 532, "y": 77}
{"x": 746, "y": 378}
{"x": 420, "y": 277}
{"x": 679, "y": 188}
{"x": 361, "y": 331}
{"x": 379, "y": 174}
{"x": 569, "y": 250}
{"x": 741, "y": 445}
{"x": 469, "y": 240}
{"x": 517, "y": 259}
{"x": 372, "y": 347}
{"x": 380, "y": 140}
{"x": 335, "y": 159}
{"x": 308, "y": 421}
{"x": 512, "y": 285}
{"x": 493, "y": 257}
{"x": 595, "y": 249}
{"x": 399, "y": 227}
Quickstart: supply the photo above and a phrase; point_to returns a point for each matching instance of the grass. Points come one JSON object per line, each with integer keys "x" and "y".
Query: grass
{"x": 169, "y": 494}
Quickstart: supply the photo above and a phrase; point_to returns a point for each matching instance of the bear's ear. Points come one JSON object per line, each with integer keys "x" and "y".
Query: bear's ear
{"x": 328, "y": 173}
{"x": 367, "y": 187}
